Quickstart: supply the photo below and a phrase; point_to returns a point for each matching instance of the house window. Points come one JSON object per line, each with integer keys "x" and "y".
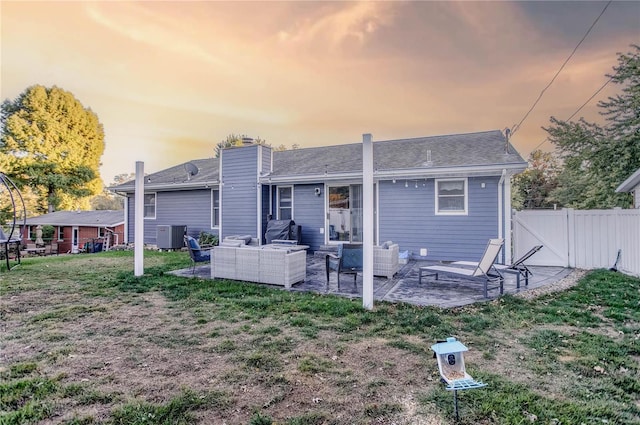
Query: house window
{"x": 32, "y": 233}
{"x": 285, "y": 203}
{"x": 215, "y": 208}
{"x": 60, "y": 233}
{"x": 149, "y": 205}
{"x": 101, "y": 232}
{"x": 451, "y": 197}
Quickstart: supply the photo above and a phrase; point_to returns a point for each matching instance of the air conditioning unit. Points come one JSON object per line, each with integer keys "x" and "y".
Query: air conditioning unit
{"x": 170, "y": 236}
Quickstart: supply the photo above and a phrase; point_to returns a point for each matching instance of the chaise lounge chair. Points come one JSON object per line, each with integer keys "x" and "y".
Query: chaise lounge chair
{"x": 517, "y": 267}
{"x": 484, "y": 269}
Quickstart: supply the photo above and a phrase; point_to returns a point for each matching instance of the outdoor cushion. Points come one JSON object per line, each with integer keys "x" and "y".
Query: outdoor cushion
{"x": 232, "y": 242}
{"x": 197, "y": 255}
{"x": 193, "y": 244}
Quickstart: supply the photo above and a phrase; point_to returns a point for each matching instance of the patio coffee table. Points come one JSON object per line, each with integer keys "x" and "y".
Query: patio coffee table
{"x": 286, "y": 246}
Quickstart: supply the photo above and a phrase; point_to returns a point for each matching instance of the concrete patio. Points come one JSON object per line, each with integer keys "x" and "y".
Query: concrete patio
{"x": 448, "y": 291}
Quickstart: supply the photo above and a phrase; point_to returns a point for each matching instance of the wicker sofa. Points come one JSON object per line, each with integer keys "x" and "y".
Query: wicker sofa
{"x": 275, "y": 266}
{"x": 385, "y": 259}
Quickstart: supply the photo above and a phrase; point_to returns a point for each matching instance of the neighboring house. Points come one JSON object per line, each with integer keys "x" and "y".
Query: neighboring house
{"x": 439, "y": 197}
{"x": 632, "y": 185}
{"x": 73, "y": 229}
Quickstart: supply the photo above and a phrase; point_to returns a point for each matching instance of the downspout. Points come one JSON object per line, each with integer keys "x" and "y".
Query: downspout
{"x": 126, "y": 219}
{"x": 220, "y": 197}
{"x": 507, "y": 219}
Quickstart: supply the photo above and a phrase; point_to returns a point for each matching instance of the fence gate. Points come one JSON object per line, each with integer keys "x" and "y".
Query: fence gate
{"x": 542, "y": 227}
{"x": 587, "y": 239}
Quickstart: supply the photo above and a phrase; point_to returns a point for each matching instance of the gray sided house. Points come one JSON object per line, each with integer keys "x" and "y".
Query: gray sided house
{"x": 632, "y": 185}
{"x": 440, "y": 197}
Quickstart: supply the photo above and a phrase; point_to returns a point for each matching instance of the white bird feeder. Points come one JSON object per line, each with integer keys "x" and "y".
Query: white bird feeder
{"x": 452, "y": 369}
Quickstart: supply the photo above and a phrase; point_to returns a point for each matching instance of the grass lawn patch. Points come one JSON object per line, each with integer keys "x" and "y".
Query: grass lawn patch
{"x": 87, "y": 342}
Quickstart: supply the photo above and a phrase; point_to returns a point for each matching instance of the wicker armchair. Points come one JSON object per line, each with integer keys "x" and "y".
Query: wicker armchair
{"x": 385, "y": 259}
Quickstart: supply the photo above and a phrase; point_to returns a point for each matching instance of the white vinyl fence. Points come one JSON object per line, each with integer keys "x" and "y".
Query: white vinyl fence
{"x": 586, "y": 239}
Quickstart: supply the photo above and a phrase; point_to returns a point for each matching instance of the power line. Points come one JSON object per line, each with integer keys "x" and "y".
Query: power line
{"x": 516, "y": 127}
{"x": 580, "y": 108}
{"x": 589, "y": 100}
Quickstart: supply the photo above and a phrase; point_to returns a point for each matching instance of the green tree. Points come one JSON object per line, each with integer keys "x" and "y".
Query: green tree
{"x": 236, "y": 140}
{"x": 282, "y": 147}
{"x": 598, "y": 158}
{"x": 108, "y": 200}
{"x": 52, "y": 144}
{"x": 532, "y": 188}
{"x": 123, "y": 178}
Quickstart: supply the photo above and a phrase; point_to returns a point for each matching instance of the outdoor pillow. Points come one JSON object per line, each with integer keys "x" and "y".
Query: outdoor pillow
{"x": 193, "y": 244}
{"x": 232, "y": 243}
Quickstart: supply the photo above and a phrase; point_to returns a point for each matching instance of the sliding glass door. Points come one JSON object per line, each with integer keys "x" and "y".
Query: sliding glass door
{"x": 344, "y": 213}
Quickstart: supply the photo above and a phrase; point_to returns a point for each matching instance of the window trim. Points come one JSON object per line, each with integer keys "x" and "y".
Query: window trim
{"x": 213, "y": 209}
{"x": 155, "y": 206}
{"x": 60, "y": 233}
{"x": 104, "y": 231}
{"x": 465, "y": 181}
{"x": 278, "y": 207}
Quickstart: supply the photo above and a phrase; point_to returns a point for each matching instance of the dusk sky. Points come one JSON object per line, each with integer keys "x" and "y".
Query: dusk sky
{"x": 169, "y": 80}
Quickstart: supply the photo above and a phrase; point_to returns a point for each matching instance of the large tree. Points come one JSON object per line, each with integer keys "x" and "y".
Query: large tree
{"x": 532, "y": 188}
{"x": 108, "y": 200}
{"x": 597, "y": 158}
{"x": 53, "y": 144}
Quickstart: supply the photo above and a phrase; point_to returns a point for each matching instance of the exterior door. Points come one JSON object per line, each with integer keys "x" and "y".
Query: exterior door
{"x": 344, "y": 213}
{"x": 75, "y": 239}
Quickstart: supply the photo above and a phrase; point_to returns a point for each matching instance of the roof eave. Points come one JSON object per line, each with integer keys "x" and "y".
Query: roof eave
{"x": 630, "y": 183}
{"x": 166, "y": 186}
{"x": 28, "y": 223}
{"x": 470, "y": 170}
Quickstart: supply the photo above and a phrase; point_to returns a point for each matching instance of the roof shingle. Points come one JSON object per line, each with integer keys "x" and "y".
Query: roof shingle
{"x": 103, "y": 218}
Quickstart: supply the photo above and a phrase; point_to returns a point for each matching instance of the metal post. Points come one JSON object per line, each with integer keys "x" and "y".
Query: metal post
{"x": 455, "y": 404}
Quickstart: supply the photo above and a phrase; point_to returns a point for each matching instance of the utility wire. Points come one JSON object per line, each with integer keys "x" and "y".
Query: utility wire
{"x": 580, "y": 108}
{"x": 516, "y": 127}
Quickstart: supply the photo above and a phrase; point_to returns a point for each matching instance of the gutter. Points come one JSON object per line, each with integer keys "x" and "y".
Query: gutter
{"x": 468, "y": 170}
{"x": 629, "y": 183}
{"x": 166, "y": 186}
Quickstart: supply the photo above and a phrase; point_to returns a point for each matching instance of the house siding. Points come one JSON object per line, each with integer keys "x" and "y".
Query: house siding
{"x": 239, "y": 191}
{"x": 308, "y": 210}
{"x": 265, "y": 152}
{"x": 407, "y": 216}
{"x": 191, "y": 208}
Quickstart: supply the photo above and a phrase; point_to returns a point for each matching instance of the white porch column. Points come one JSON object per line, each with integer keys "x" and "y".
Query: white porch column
{"x": 139, "y": 221}
{"x": 367, "y": 222}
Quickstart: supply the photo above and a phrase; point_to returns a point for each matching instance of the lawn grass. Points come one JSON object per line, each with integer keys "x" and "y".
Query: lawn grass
{"x": 267, "y": 356}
